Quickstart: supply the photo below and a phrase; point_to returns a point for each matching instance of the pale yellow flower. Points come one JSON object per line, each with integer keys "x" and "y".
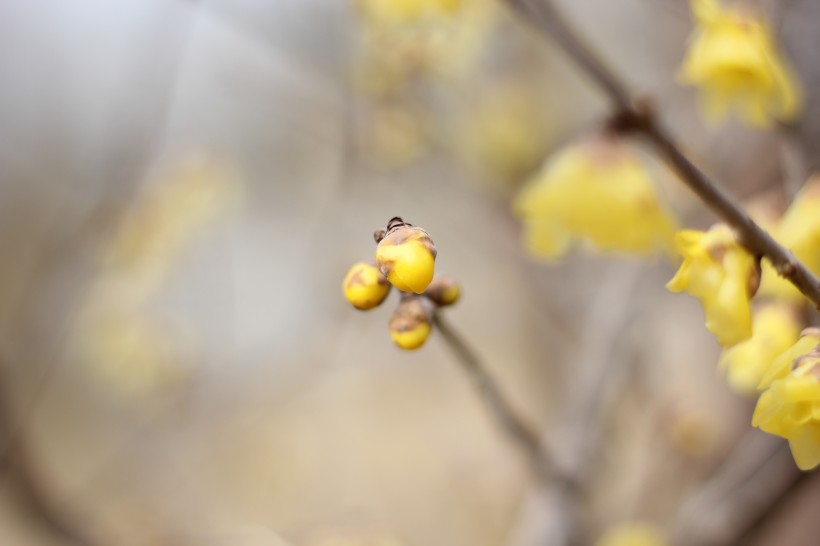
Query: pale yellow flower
{"x": 799, "y": 231}
{"x": 775, "y": 328}
{"x": 790, "y": 407}
{"x": 632, "y": 534}
{"x": 405, "y": 11}
{"x": 722, "y": 275}
{"x": 734, "y": 60}
{"x": 598, "y": 193}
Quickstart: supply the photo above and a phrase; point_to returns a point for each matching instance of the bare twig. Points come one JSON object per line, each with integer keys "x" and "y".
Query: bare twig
{"x": 514, "y": 426}
{"x": 637, "y": 116}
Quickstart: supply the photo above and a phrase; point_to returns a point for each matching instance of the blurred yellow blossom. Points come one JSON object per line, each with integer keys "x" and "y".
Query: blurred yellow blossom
{"x": 596, "y": 192}
{"x": 404, "y": 11}
{"x": 782, "y": 365}
{"x": 115, "y": 331}
{"x": 165, "y": 218}
{"x": 799, "y": 231}
{"x": 632, "y": 534}
{"x": 790, "y": 407}
{"x": 722, "y": 275}
{"x": 775, "y": 328}
{"x": 734, "y": 60}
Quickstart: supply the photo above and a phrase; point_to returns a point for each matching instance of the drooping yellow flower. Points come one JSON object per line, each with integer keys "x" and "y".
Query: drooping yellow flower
{"x": 722, "y": 275}
{"x": 365, "y": 287}
{"x": 783, "y": 364}
{"x": 734, "y": 60}
{"x": 790, "y": 407}
{"x": 411, "y": 323}
{"x": 595, "y": 192}
{"x": 632, "y": 534}
{"x": 799, "y": 231}
{"x": 775, "y": 328}
{"x": 406, "y": 256}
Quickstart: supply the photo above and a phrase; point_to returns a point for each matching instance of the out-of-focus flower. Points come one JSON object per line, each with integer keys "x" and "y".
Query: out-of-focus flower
{"x": 722, "y": 275}
{"x": 502, "y": 136}
{"x": 115, "y": 332}
{"x": 775, "y": 328}
{"x": 734, "y": 60}
{"x": 165, "y": 218}
{"x": 783, "y": 364}
{"x": 411, "y": 323}
{"x": 406, "y": 256}
{"x": 131, "y": 349}
{"x": 632, "y": 534}
{"x": 365, "y": 287}
{"x": 404, "y": 11}
{"x": 790, "y": 407}
{"x": 394, "y": 136}
{"x": 596, "y": 192}
{"x": 799, "y": 231}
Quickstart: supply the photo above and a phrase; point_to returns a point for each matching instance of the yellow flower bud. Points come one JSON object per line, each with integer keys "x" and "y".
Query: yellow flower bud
{"x": 410, "y": 324}
{"x": 595, "y": 192}
{"x": 443, "y": 291}
{"x": 365, "y": 287}
{"x": 406, "y": 256}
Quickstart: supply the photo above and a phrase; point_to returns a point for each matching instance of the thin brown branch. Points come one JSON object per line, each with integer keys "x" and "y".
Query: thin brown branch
{"x": 741, "y": 495}
{"x": 514, "y": 426}
{"x": 636, "y": 116}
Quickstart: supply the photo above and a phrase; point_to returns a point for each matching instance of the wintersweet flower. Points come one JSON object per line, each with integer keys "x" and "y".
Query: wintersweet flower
{"x": 775, "y": 328}
{"x": 799, "y": 231}
{"x": 632, "y": 534}
{"x": 783, "y": 364}
{"x": 405, "y": 11}
{"x": 722, "y": 275}
{"x": 595, "y": 192}
{"x": 790, "y": 407}
{"x": 734, "y": 60}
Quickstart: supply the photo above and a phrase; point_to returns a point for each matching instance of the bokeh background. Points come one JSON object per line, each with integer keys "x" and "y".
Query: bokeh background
{"x": 221, "y": 391}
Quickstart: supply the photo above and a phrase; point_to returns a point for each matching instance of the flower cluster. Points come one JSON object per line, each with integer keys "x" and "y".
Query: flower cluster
{"x": 405, "y": 258}
{"x": 790, "y": 404}
{"x": 735, "y": 62}
{"x": 763, "y": 349}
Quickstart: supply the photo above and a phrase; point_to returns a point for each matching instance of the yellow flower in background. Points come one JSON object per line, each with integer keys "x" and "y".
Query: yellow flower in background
{"x": 632, "y": 534}
{"x": 734, "y": 60}
{"x": 166, "y": 217}
{"x": 722, "y": 275}
{"x": 790, "y": 407}
{"x": 596, "y": 192}
{"x": 799, "y": 231}
{"x": 405, "y": 11}
{"x": 782, "y": 365}
{"x": 775, "y": 328}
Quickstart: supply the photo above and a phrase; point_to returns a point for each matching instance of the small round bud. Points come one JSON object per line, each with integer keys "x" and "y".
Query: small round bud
{"x": 365, "y": 287}
{"x": 406, "y": 256}
{"x": 443, "y": 291}
{"x": 411, "y": 323}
